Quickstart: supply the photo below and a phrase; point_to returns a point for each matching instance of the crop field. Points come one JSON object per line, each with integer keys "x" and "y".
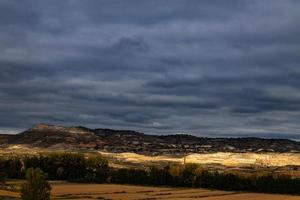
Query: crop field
{"x": 62, "y": 190}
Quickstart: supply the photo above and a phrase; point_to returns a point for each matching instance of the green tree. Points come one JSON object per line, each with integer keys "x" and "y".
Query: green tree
{"x": 2, "y": 172}
{"x": 2, "y": 178}
{"x": 13, "y": 167}
{"x": 36, "y": 186}
{"x": 189, "y": 174}
{"x": 96, "y": 169}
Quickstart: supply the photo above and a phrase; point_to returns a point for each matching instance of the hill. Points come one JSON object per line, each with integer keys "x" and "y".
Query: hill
{"x": 59, "y": 137}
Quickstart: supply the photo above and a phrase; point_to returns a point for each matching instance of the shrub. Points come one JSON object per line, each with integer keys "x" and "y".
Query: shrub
{"x": 36, "y": 186}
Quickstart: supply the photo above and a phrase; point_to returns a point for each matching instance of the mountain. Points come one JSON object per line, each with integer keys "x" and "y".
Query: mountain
{"x": 59, "y": 137}
{"x": 44, "y": 135}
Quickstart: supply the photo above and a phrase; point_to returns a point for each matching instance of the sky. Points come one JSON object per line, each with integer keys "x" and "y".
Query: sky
{"x": 203, "y": 67}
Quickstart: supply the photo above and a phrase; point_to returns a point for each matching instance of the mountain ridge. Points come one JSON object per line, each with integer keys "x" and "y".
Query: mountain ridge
{"x": 79, "y": 137}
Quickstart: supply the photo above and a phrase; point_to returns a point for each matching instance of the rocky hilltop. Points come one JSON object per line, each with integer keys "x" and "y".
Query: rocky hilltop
{"x": 59, "y": 137}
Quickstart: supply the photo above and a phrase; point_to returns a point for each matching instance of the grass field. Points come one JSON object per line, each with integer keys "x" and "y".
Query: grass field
{"x": 62, "y": 190}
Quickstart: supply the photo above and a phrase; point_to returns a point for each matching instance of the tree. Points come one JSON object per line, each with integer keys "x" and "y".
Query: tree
{"x": 13, "y": 167}
{"x": 2, "y": 172}
{"x": 2, "y": 178}
{"x": 96, "y": 169}
{"x": 36, "y": 186}
{"x": 188, "y": 174}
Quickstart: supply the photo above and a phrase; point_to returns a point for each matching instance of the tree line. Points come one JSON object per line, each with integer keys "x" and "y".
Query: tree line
{"x": 76, "y": 167}
{"x": 58, "y": 166}
{"x": 192, "y": 175}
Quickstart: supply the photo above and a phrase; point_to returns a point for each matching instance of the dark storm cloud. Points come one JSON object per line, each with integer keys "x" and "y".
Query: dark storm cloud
{"x": 210, "y": 68}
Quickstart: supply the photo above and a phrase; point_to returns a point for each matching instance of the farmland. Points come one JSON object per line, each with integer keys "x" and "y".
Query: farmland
{"x": 238, "y": 164}
{"x": 228, "y": 159}
{"x": 223, "y": 158}
{"x": 278, "y": 163}
{"x": 63, "y": 190}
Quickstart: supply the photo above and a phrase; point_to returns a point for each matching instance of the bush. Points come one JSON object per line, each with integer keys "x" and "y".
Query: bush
{"x": 36, "y": 186}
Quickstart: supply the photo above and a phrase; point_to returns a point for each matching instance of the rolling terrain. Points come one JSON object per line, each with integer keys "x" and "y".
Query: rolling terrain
{"x": 82, "y": 138}
{"x": 125, "y": 148}
{"x": 130, "y": 149}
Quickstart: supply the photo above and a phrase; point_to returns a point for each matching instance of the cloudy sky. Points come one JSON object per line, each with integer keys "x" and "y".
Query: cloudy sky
{"x": 209, "y": 68}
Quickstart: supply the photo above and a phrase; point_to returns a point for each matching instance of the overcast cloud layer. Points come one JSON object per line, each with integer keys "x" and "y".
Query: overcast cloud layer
{"x": 209, "y": 68}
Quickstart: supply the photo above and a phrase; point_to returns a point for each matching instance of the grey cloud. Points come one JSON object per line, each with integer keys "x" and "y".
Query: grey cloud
{"x": 204, "y": 67}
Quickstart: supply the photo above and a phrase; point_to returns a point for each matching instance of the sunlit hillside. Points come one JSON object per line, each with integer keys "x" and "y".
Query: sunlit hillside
{"x": 227, "y": 159}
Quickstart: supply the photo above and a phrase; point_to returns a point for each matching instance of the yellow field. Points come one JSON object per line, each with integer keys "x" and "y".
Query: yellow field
{"x": 126, "y": 192}
{"x": 222, "y": 158}
{"x": 226, "y": 159}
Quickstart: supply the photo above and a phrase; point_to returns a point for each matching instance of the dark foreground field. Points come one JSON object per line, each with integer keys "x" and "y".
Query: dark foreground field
{"x": 63, "y": 190}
